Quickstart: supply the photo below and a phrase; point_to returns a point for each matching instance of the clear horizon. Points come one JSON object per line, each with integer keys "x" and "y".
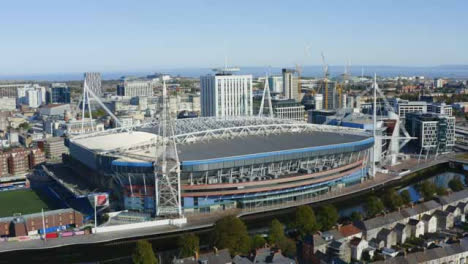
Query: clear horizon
{"x": 55, "y": 36}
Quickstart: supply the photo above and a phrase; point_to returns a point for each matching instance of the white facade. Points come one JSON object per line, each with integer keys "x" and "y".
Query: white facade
{"x": 136, "y": 88}
{"x": 291, "y": 112}
{"x": 442, "y": 109}
{"x": 226, "y": 95}
{"x": 7, "y": 104}
{"x": 403, "y": 106}
{"x": 291, "y": 85}
{"x": 33, "y": 98}
{"x": 31, "y": 95}
{"x": 318, "y": 100}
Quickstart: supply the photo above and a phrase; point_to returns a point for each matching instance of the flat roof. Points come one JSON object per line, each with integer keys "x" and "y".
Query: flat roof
{"x": 113, "y": 141}
{"x": 216, "y": 148}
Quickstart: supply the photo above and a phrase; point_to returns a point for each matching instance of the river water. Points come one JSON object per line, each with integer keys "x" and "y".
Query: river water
{"x": 441, "y": 180}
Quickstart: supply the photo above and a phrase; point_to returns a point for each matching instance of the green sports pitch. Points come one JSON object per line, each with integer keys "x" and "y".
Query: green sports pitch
{"x": 21, "y": 202}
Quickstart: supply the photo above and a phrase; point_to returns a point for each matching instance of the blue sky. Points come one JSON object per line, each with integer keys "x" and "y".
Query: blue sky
{"x": 76, "y": 36}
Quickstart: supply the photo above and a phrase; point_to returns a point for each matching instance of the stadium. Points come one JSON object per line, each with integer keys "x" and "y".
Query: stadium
{"x": 236, "y": 162}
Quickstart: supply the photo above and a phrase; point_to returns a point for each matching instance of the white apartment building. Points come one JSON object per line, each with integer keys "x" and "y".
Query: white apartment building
{"x": 291, "y": 89}
{"x": 442, "y": 109}
{"x": 404, "y": 106}
{"x": 31, "y": 95}
{"x": 225, "y": 94}
{"x": 137, "y": 88}
{"x": 318, "y": 101}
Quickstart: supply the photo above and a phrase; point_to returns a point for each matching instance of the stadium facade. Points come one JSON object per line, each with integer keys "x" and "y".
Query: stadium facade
{"x": 241, "y": 162}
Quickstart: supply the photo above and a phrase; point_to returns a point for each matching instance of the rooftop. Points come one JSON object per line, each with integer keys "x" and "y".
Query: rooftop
{"x": 114, "y": 141}
{"x": 216, "y": 148}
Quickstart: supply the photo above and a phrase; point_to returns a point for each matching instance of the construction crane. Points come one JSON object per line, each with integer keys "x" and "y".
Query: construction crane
{"x": 342, "y": 86}
{"x": 326, "y": 75}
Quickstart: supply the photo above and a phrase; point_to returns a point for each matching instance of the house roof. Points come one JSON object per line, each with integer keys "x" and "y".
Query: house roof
{"x": 462, "y": 205}
{"x": 263, "y": 256}
{"x": 349, "y": 230}
{"x": 451, "y": 209}
{"x": 384, "y": 232}
{"x": 336, "y": 244}
{"x": 440, "y": 213}
{"x": 453, "y": 197}
{"x": 336, "y": 234}
{"x": 427, "y": 217}
{"x": 413, "y": 222}
{"x": 400, "y": 227}
{"x": 318, "y": 240}
{"x": 381, "y": 221}
{"x": 429, "y": 255}
{"x": 420, "y": 208}
{"x": 355, "y": 241}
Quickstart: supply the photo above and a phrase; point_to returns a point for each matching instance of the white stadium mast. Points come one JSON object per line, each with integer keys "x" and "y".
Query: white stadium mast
{"x": 266, "y": 93}
{"x": 167, "y": 165}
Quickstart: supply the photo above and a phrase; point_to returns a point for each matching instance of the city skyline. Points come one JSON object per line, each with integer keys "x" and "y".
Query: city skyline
{"x": 56, "y": 37}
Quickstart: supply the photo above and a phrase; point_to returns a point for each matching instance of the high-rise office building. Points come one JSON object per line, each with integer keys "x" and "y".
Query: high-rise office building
{"x": 291, "y": 89}
{"x": 226, "y": 94}
{"x": 93, "y": 80}
{"x": 58, "y": 93}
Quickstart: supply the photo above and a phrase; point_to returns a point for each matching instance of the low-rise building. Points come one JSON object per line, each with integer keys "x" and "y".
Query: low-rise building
{"x": 451, "y": 254}
{"x": 358, "y": 245}
{"x": 417, "y": 227}
{"x": 445, "y": 220}
{"x": 430, "y": 223}
{"x": 402, "y": 232}
{"x": 388, "y": 236}
{"x": 24, "y": 224}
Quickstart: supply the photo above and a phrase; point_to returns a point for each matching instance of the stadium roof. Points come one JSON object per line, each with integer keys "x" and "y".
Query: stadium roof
{"x": 114, "y": 141}
{"x": 240, "y": 146}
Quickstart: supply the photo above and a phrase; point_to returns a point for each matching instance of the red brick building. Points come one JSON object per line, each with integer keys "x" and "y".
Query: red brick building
{"x": 20, "y": 161}
{"x": 21, "y": 225}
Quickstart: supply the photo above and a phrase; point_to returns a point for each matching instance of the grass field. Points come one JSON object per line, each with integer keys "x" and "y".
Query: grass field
{"x": 20, "y": 201}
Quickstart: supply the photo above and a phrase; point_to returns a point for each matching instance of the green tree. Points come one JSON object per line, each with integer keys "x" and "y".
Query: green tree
{"x": 392, "y": 199}
{"x": 355, "y": 216}
{"x": 305, "y": 221}
{"x": 25, "y": 126}
{"x": 327, "y": 216}
{"x": 427, "y": 189}
{"x": 143, "y": 253}
{"x": 287, "y": 246}
{"x": 456, "y": 184}
{"x": 405, "y": 197}
{"x": 276, "y": 231}
{"x": 189, "y": 244}
{"x": 440, "y": 190}
{"x": 231, "y": 233}
{"x": 374, "y": 206}
{"x": 258, "y": 242}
